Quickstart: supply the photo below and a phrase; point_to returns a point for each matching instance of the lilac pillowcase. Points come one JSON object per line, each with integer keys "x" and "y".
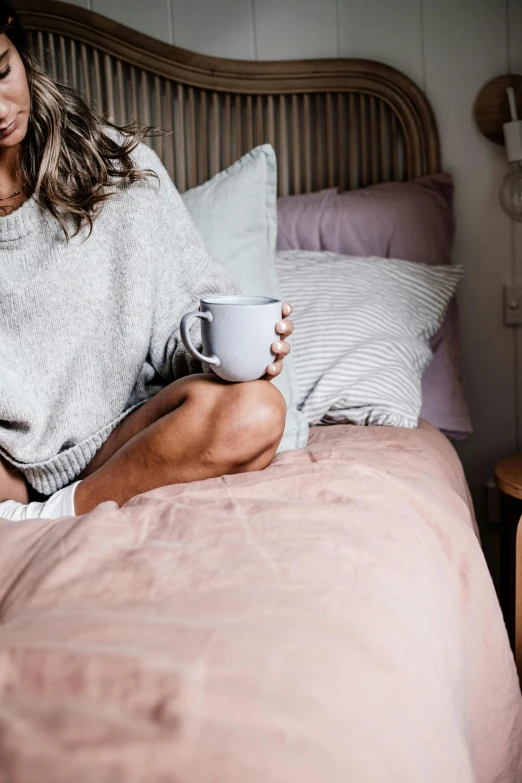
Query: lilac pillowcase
{"x": 408, "y": 220}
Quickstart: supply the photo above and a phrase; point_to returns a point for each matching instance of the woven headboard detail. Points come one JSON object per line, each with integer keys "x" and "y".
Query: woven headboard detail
{"x": 333, "y": 123}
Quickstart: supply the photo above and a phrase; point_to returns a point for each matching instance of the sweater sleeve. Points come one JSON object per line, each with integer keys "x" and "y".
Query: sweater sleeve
{"x": 183, "y": 273}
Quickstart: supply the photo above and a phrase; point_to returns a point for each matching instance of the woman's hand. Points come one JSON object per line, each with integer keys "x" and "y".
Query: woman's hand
{"x": 281, "y": 348}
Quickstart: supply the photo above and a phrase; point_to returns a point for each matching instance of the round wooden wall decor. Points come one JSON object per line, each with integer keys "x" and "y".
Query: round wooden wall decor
{"x": 491, "y": 109}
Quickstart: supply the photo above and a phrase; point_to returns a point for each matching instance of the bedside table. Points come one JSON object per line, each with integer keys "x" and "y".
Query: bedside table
{"x": 508, "y": 478}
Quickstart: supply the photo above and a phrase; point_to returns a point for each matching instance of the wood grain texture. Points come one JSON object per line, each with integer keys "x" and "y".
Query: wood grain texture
{"x": 508, "y": 476}
{"x": 179, "y": 135}
{"x": 300, "y": 106}
{"x": 307, "y": 142}
{"x": 491, "y": 107}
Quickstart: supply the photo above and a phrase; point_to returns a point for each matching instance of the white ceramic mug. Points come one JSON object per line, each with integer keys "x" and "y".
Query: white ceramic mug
{"x": 237, "y": 333}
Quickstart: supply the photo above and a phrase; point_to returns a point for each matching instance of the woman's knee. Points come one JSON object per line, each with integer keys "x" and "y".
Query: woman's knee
{"x": 255, "y": 415}
{"x": 242, "y": 421}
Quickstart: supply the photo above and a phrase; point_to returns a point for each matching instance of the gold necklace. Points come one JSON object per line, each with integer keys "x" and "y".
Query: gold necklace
{"x": 16, "y": 193}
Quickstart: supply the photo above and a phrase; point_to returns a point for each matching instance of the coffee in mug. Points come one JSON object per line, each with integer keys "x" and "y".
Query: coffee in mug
{"x": 236, "y": 332}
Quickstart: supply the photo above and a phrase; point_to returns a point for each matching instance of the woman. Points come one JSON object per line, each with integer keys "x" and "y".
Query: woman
{"x": 98, "y": 262}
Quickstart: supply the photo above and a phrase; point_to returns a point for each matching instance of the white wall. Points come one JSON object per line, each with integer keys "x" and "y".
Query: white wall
{"x": 451, "y": 48}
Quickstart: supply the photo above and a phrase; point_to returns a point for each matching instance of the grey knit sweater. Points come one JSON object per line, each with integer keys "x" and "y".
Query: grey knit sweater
{"x": 89, "y": 328}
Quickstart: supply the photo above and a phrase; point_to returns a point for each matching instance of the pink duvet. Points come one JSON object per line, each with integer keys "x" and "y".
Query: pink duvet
{"x": 329, "y": 619}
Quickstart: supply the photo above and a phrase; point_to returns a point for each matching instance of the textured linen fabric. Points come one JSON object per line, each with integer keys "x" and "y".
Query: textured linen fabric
{"x": 236, "y": 214}
{"x": 330, "y": 619}
{"x": 409, "y": 220}
{"x": 89, "y": 328}
{"x": 363, "y": 331}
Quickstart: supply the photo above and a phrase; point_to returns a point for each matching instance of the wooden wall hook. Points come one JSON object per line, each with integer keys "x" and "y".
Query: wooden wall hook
{"x": 491, "y": 108}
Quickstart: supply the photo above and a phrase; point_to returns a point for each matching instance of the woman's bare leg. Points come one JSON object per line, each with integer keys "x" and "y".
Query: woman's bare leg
{"x": 195, "y": 428}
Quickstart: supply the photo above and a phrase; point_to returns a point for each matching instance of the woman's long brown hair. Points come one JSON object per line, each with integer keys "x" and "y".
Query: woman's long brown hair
{"x": 70, "y": 160}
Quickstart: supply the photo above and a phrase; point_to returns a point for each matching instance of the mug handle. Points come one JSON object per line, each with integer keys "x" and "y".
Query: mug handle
{"x": 184, "y": 327}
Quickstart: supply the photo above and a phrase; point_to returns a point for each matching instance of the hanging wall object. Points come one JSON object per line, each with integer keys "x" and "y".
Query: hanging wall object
{"x": 492, "y": 109}
{"x": 498, "y": 114}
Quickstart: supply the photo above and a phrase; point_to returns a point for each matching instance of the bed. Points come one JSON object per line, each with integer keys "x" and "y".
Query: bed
{"x": 330, "y": 618}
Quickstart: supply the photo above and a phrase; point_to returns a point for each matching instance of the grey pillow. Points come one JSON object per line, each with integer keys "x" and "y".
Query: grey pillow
{"x": 363, "y": 330}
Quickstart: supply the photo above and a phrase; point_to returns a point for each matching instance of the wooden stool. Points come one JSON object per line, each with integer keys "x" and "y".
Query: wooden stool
{"x": 508, "y": 478}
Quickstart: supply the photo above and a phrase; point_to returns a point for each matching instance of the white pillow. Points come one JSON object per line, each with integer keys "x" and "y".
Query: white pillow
{"x": 363, "y": 328}
{"x": 236, "y": 214}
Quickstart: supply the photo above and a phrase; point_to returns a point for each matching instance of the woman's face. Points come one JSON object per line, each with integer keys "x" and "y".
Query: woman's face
{"x": 15, "y": 100}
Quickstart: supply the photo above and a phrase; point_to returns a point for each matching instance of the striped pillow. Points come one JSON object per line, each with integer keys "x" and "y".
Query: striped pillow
{"x": 362, "y": 333}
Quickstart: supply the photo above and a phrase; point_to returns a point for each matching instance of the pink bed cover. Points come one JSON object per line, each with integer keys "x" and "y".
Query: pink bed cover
{"x": 329, "y": 619}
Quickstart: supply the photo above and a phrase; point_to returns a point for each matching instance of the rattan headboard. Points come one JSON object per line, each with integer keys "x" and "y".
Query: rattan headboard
{"x": 334, "y": 123}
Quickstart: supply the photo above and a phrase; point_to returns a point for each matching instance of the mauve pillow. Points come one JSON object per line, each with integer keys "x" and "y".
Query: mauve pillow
{"x": 409, "y": 220}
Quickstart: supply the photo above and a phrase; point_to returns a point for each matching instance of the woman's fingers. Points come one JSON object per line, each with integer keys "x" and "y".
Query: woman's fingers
{"x": 284, "y": 328}
{"x": 281, "y": 348}
{"x": 275, "y": 368}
